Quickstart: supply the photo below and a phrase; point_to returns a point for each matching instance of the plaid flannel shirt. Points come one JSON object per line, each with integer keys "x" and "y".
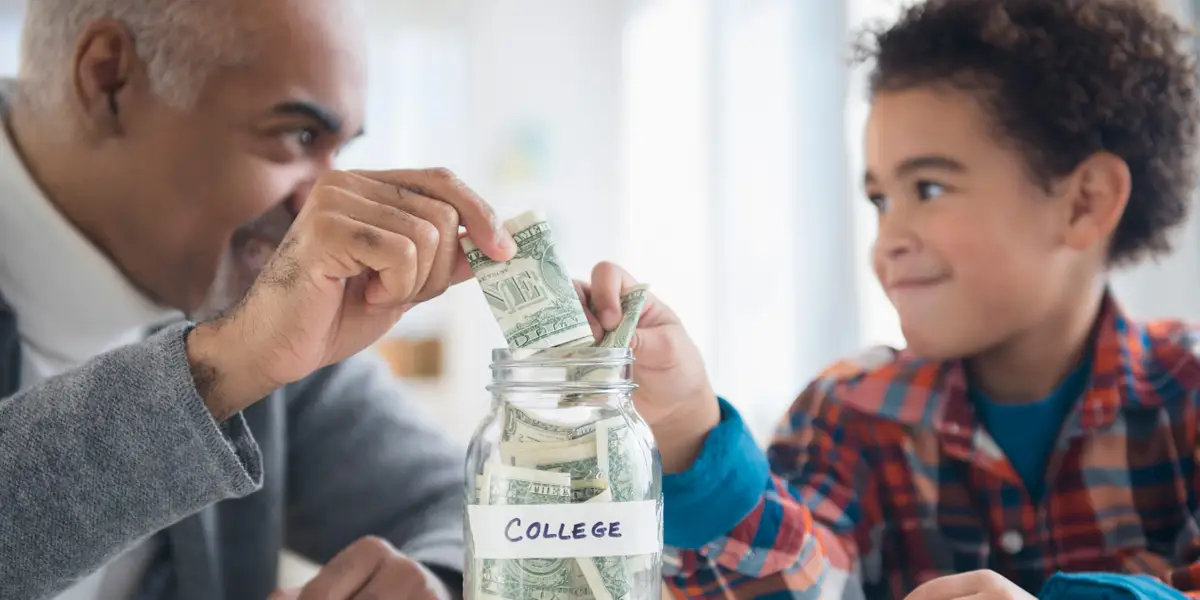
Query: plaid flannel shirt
{"x": 882, "y": 478}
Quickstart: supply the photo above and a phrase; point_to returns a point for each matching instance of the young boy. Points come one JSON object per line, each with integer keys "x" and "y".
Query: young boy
{"x": 1016, "y": 150}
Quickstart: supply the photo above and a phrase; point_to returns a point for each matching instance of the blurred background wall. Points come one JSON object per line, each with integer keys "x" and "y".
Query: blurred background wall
{"x": 711, "y": 146}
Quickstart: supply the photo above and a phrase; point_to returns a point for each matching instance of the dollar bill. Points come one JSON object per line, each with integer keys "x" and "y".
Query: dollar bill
{"x": 578, "y": 461}
{"x": 607, "y": 576}
{"x": 510, "y": 451}
{"x": 531, "y": 295}
{"x": 632, "y": 303}
{"x": 625, "y": 463}
{"x": 521, "y": 426}
{"x": 618, "y": 459}
{"x": 542, "y": 578}
{"x": 583, "y": 490}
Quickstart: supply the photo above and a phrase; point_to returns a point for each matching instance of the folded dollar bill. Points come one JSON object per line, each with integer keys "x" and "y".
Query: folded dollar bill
{"x": 531, "y": 295}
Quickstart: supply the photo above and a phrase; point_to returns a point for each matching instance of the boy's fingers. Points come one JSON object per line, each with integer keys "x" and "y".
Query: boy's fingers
{"x": 583, "y": 290}
{"x": 608, "y": 282}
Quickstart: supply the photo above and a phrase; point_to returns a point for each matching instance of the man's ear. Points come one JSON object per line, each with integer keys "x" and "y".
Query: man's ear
{"x": 106, "y": 65}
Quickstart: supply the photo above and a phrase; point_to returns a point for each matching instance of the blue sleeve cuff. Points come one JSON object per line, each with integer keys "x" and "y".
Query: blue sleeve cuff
{"x": 1107, "y": 586}
{"x": 724, "y": 485}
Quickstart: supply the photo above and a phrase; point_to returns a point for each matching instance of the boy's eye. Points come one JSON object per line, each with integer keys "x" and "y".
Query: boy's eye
{"x": 927, "y": 190}
{"x": 879, "y": 201}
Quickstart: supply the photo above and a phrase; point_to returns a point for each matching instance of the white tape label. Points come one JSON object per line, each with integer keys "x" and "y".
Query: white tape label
{"x": 565, "y": 530}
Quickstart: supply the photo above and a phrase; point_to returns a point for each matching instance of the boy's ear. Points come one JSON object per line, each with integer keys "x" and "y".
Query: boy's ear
{"x": 1097, "y": 195}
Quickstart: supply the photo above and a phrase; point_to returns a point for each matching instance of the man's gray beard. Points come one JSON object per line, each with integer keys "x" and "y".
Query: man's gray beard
{"x": 227, "y": 290}
{"x": 235, "y": 273}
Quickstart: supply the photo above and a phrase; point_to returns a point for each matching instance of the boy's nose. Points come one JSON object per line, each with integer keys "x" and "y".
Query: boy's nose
{"x": 894, "y": 240}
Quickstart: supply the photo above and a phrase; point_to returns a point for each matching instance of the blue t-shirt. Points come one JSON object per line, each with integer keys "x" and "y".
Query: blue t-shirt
{"x": 1027, "y": 432}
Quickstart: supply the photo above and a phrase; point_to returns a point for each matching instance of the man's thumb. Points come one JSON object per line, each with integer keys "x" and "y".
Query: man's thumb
{"x": 281, "y": 594}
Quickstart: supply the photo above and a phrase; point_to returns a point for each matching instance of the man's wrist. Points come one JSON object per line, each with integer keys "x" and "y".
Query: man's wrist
{"x": 681, "y": 437}
{"x": 223, "y": 379}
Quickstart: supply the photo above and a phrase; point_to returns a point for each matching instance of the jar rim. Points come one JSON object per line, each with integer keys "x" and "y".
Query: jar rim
{"x": 563, "y": 387}
{"x": 560, "y": 357}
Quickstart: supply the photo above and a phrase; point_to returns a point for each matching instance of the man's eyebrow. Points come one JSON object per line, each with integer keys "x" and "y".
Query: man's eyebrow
{"x": 327, "y": 119}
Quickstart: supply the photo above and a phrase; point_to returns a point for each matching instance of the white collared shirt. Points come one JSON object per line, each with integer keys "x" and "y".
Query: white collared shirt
{"x": 71, "y": 304}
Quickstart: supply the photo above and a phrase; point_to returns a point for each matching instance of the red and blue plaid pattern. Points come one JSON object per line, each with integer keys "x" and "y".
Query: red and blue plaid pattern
{"x": 883, "y": 479}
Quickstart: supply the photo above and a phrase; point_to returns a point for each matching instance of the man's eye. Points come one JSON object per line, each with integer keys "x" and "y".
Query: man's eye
{"x": 299, "y": 137}
{"x": 306, "y": 137}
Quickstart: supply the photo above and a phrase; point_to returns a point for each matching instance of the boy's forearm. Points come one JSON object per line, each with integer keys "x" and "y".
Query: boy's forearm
{"x": 729, "y": 512}
{"x": 730, "y": 495}
{"x": 803, "y": 558}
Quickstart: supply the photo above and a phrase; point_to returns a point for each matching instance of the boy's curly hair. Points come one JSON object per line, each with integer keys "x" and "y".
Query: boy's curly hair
{"x": 1065, "y": 79}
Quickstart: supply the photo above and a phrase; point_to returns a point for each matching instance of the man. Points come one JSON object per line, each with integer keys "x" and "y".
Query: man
{"x": 159, "y": 154}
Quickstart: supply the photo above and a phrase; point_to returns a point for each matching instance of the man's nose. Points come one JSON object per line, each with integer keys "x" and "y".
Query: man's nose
{"x": 304, "y": 189}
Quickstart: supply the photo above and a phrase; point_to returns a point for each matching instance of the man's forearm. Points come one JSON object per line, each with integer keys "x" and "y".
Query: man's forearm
{"x": 92, "y": 463}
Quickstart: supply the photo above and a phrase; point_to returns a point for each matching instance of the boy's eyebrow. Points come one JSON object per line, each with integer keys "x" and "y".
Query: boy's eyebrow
{"x": 918, "y": 163}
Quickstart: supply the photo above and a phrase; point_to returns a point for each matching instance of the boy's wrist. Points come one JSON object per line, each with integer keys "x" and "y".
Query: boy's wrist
{"x": 720, "y": 486}
{"x": 681, "y": 438}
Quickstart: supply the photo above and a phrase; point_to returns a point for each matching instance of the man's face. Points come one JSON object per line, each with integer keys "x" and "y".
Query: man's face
{"x": 213, "y": 189}
{"x": 969, "y": 248}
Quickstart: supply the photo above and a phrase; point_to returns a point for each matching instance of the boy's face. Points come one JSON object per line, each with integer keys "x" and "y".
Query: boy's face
{"x": 969, "y": 248}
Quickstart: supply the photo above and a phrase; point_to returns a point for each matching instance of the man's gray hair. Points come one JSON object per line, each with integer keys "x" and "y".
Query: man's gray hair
{"x": 179, "y": 41}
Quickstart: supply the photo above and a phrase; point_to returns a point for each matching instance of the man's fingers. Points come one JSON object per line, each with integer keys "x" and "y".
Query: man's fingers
{"x": 281, "y": 594}
{"x": 608, "y": 282}
{"x": 425, "y": 236}
{"x": 445, "y": 262}
{"x": 442, "y": 230}
{"x": 485, "y": 229}
{"x": 349, "y": 571}
{"x": 392, "y": 256}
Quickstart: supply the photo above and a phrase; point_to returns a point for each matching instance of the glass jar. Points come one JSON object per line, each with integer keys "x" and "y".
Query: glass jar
{"x": 564, "y": 482}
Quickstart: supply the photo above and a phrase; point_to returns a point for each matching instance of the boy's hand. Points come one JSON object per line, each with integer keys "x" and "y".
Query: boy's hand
{"x": 976, "y": 585}
{"x": 674, "y": 395}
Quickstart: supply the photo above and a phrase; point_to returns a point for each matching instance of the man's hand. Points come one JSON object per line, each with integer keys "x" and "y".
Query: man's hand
{"x": 370, "y": 568}
{"x": 365, "y": 248}
{"x": 674, "y": 394}
{"x": 976, "y": 585}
